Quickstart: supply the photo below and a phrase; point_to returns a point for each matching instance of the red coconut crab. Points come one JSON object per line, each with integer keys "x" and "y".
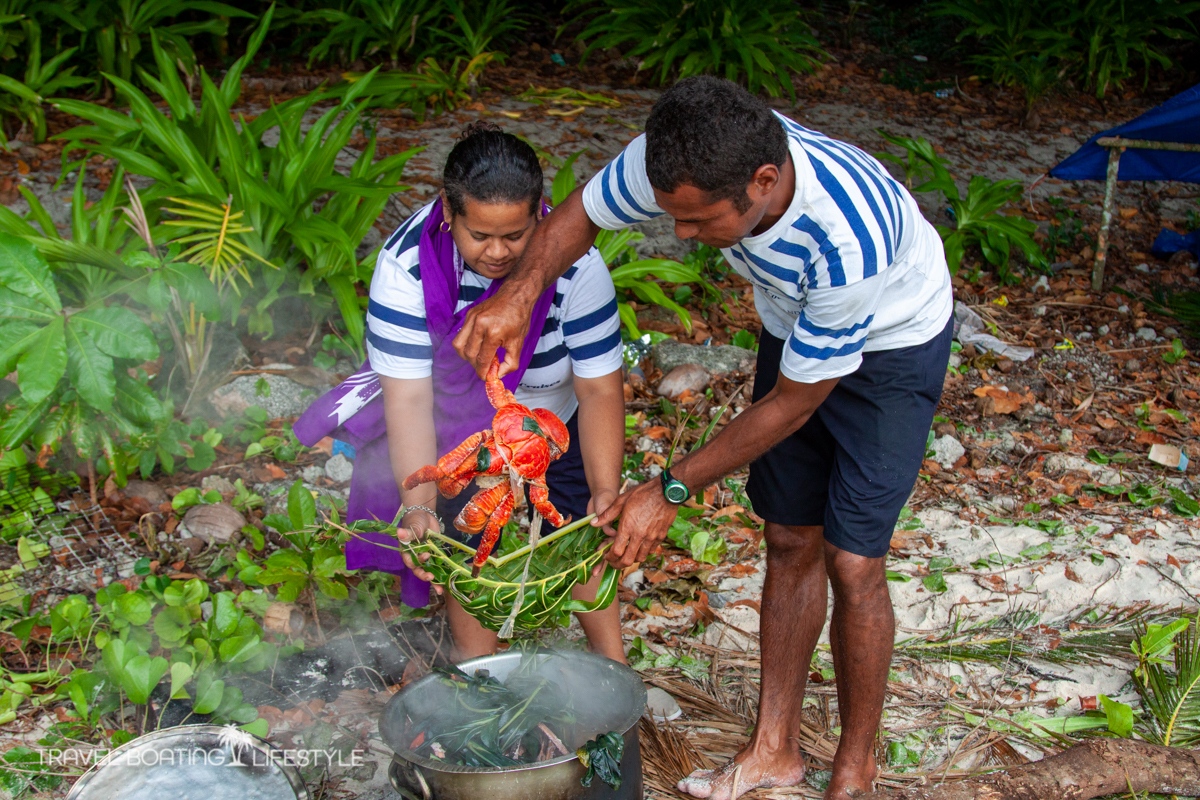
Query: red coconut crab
{"x": 523, "y": 441}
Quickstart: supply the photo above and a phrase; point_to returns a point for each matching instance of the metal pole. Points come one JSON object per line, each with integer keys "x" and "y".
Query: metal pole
{"x": 1146, "y": 144}
{"x": 1110, "y": 191}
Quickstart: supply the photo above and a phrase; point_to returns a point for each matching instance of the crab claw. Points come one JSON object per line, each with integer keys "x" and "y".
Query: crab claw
{"x": 539, "y": 496}
{"x": 497, "y": 392}
{"x": 554, "y": 430}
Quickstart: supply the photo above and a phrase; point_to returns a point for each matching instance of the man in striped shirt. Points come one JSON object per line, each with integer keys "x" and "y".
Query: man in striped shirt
{"x": 852, "y": 287}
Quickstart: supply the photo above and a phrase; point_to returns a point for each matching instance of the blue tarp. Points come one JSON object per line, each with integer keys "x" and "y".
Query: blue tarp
{"x": 1177, "y": 120}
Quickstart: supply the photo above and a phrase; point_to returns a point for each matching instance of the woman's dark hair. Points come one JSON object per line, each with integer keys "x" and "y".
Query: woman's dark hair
{"x": 712, "y": 134}
{"x": 490, "y": 166}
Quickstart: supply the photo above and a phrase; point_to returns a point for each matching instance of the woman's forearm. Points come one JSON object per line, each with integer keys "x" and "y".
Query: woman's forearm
{"x": 412, "y": 442}
{"x": 602, "y": 430}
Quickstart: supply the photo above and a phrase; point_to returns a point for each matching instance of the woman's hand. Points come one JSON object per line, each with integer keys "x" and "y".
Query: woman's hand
{"x": 412, "y": 529}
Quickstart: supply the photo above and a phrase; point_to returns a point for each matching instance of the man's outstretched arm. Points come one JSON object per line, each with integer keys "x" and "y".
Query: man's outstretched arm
{"x": 560, "y": 240}
{"x": 646, "y": 516}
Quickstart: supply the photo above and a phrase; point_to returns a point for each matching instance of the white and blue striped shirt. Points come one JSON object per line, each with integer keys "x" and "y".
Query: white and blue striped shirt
{"x": 581, "y": 337}
{"x": 852, "y": 266}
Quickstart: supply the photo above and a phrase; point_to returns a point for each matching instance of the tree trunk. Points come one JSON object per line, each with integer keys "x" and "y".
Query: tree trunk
{"x": 1093, "y": 769}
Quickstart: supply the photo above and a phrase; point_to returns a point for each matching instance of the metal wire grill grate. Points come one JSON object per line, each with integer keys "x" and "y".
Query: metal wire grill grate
{"x": 63, "y": 547}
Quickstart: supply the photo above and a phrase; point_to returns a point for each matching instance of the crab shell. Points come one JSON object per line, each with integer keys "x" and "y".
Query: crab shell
{"x": 529, "y": 439}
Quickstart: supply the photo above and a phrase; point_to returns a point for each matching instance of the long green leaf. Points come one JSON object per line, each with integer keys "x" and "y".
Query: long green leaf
{"x": 118, "y": 332}
{"x": 25, "y": 271}
{"x": 42, "y": 365}
{"x": 90, "y": 370}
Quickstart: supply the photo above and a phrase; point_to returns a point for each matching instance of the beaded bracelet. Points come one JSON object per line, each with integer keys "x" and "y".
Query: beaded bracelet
{"x": 430, "y": 512}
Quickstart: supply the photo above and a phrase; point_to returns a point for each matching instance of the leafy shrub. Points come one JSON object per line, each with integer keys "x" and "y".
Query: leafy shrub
{"x": 21, "y": 100}
{"x": 1100, "y": 43}
{"x": 477, "y": 23}
{"x": 760, "y": 44}
{"x": 369, "y": 27}
{"x": 302, "y": 211}
{"x": 977, "y": 218}
{"x": 73, "y": 364}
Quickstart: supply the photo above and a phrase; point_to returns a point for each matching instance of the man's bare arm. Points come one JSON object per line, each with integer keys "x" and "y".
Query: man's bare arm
{"x": 559, "y": 241}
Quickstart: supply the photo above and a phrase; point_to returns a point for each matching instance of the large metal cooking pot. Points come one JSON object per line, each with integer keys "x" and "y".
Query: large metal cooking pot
{"x": 617, "y": 699}
{"x": 192, "y": 762}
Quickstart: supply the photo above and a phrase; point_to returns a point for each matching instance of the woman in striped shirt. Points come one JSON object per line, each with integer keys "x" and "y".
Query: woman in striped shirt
{"x": 490, "y": 203}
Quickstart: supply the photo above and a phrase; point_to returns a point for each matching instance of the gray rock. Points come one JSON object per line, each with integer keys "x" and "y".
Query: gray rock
{"x": 152, "y": 493}
{"x": 339, "y": 469}
{"x": 312, "y": 473}
{"x": 684, "y": 378}
{"x": 1170, "y": 333}
{"x": 286, "y": 397}
{"x": 218, "y": 483}
{"x": 717, "y": 360}
{"x": 947, "y": 450}
{"x": 213, "y": 523}
{"x": 1103, "y": 330}
{"x": 1146, "y": 334}
{"x": 1065, "y": 437}
{"x": 955, "y": 360}
{"x": 1058, "y": 463}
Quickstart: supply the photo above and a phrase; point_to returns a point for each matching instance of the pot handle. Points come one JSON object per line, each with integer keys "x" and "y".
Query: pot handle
{"x": 401, "y": 785}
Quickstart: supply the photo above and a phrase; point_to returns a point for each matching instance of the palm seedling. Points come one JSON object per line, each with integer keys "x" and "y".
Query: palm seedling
{"x": 1167, "y": 679}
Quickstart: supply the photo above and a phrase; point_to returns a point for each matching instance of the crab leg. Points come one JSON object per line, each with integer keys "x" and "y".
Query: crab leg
{"x": 491, "y": 534}
{"x": 448, "y": 463}
{"x": 481, "y": 507}
{"x": 539, "y": 495}
{"x": 497, "y": 392}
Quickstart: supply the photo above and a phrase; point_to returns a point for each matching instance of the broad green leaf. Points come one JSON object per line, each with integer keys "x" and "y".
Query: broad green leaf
{"x": 226, "y": 614}
{"x": 1119, "y": 716}
{"x": 237, "y": 649}
{"x": 15, "y": 337}
{"x": 172, "y": 626}
{"x": 90, "y": 371}
{"x": 43, "y": 363}
{"x": 301, "y": 507}
{"x": 137, "y": 401}
{"x": 23, "y": 420}
{"x": 142, "y": 673}
{"x": 23, "y": 270}
{"x": 119, "y": 333}
{"x": 181, "y": 673}
{"x": 133, "y": 607}
{"x": 16, "y": 306}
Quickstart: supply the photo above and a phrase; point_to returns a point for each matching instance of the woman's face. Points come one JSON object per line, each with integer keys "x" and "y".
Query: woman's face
{"x": 491, "y": 236}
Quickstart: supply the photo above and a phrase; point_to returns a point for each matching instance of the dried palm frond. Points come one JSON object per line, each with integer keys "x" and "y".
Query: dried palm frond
{"x": 1020, "y": 635}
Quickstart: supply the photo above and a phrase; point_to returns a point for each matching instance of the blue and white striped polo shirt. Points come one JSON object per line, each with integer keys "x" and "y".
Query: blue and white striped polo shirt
{"x": 852, "y": 266}
{"x": 581, "y": 336}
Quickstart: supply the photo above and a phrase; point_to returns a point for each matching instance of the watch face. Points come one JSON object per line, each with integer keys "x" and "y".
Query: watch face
{"x": 676, "y": 492}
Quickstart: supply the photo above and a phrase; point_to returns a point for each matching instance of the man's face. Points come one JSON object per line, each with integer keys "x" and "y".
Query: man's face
{"x": 717, "y": 223}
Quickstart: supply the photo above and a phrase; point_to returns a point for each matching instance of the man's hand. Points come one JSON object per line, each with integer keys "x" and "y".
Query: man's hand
{"x": 412, "y": 529}
{"x": 646, "y": 516}
{"x": 500, "y": 321}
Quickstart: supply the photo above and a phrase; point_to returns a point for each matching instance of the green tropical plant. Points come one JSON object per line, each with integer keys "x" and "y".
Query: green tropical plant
{"x": 369, "y": 27}
{"x": 73, "y": 364}
{"x": 305, "y": 216}
{"x": 978, "y": 221}
{"x": 1167, "y": 679}
{"x": 120, "y": 29}
{"x": 477, "y": 23}
{"x": 1101, "y": 43}
{"x": 760, "y": 44}
{"x": 431, "y": 88}
{"x": 631, "y": 275}
{"x": 21, "y": 100}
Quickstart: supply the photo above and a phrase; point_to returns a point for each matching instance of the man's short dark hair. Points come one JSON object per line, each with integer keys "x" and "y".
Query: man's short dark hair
{"x": 712, "y": 134}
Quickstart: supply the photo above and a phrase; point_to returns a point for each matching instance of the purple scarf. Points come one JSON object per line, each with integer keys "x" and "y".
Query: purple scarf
{"x": 353, "y": 410}
{"x": 460, "y": 403}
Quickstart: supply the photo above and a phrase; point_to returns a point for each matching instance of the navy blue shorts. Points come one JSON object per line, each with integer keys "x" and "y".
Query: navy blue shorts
{"x": 852, "y": 466}
{"x": 568, "y": 485}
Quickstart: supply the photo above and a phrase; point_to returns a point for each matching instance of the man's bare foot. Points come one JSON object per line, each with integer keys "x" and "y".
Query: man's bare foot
{"x": 847, "y": 783}
{"x": 745, "y": 772}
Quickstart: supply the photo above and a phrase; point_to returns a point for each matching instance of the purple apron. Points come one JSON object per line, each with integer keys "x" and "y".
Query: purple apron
{"x": 353, "y": 410}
